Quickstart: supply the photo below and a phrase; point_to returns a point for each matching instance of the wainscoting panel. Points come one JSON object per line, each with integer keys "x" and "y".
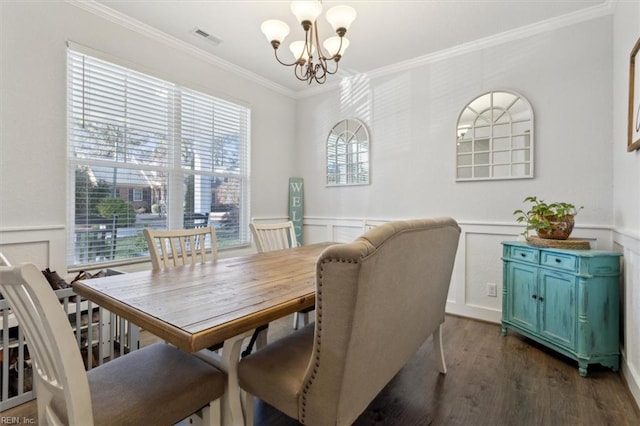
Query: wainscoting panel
{"x": 629, "y": 245}
{"x": 43, "y": 246}
{"x": 478, "y": 260}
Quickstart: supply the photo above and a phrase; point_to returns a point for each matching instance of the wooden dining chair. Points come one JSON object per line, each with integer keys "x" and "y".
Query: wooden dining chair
{"x": 278, "y": 236}
{"x": 170, "y": 248}
{"x": 273, "y": 236}
{"x": 195, "y": 220}
{"x": 158, "y": 384}
{"x": 330, "y": 371}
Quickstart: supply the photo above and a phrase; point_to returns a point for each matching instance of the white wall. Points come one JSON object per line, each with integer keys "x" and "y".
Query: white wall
{"x": 566, "y": 75}
{"x": 33, "y": 38}
{"x": 411, "y": 114}
{"x": 626, "y": 190}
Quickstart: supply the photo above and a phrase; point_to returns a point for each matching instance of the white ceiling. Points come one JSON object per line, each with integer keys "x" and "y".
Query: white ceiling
{"x": 385, "y": 32}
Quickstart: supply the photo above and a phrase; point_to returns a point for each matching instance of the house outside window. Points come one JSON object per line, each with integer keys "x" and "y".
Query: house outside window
{"x": 137, "y": 194}
{"x": 145, "y": 152}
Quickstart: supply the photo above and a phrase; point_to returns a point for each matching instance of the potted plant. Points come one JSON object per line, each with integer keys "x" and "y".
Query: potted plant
{"x": 549, "y": 220}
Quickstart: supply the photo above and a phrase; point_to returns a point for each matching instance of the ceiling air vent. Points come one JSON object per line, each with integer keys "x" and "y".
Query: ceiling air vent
{"x": 211, "y": 38}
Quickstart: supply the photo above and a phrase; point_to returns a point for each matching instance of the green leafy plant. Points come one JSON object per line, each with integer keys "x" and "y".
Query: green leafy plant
{"x": 116, "y": 206}
{"x": 542, "y": 216}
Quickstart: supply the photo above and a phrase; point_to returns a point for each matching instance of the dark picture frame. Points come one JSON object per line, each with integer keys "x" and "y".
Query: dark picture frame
{"x": 633, "y": 129}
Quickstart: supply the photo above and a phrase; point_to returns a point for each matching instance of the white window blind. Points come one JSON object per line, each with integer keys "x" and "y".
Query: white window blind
{"x": 134, "y": 143}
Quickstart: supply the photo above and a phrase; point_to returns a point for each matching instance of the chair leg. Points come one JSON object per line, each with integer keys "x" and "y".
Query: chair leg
{"x": 295, "y": 321}
{"x": 437, "y": 346}
{"x": 300, "y": 319}
{"x": 211, "y": 414}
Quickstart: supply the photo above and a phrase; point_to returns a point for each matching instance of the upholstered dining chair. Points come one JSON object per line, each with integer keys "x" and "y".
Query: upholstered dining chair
{"x": 330, "y": 371}
{"x": 170, "y": 248}
{"x": 278, "y": 236}
{"x": 158, "y": 384}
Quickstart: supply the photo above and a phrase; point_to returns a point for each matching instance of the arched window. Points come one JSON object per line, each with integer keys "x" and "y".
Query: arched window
{"x": 348, "y": 154}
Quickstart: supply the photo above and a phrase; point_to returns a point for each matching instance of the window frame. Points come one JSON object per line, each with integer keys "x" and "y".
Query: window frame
{"x": 490, "y": 139}
{"x": 137, "y": 194}
{"x": 175, "y": 170}
{"x": 357, "y": 154}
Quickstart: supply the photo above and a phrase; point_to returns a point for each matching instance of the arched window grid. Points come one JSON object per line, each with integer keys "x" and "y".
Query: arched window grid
{"x": 493, "y": 142}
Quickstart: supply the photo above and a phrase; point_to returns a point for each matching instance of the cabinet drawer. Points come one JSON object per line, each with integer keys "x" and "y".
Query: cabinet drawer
{"x": 559, "y": 261}
{"x": 524, "y": 254}
{"x": 603, "y": 266}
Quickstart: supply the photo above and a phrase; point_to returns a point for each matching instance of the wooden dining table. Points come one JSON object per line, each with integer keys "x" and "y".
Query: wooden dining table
{"x": 197, "y": 306}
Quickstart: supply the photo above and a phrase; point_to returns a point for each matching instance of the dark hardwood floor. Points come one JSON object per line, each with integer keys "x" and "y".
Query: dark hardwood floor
{"x": 491, "y": 380}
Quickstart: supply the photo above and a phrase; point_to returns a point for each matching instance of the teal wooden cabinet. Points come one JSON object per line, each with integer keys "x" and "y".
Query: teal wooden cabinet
{"x": 564, "y": 299}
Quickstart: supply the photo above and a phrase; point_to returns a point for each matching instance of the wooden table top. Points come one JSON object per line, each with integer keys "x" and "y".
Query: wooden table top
{"x": 197, "y": 306}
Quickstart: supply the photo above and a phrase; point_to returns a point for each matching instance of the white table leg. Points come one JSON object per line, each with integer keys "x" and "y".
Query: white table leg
{"x": 228, "y": 362}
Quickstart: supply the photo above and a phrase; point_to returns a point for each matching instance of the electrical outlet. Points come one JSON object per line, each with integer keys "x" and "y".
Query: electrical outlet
{"x": 492, "y": 290}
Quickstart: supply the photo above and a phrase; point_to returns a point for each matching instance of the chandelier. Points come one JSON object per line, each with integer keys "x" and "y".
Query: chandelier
{"x": 312, "y": 62}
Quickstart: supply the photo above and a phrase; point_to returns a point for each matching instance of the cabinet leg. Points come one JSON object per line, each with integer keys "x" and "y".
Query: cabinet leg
{"x": 504, "y": 330}
{"x": 582, "y": 368}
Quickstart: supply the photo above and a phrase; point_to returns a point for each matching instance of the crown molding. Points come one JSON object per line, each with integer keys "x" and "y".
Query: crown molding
{"x": 587, "y": 14}
{"x": 606, "y": 8}
{"x": 121, "y": 19}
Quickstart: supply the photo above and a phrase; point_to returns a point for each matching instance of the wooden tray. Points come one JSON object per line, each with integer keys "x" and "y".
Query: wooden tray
{"x": 570, "y": 243}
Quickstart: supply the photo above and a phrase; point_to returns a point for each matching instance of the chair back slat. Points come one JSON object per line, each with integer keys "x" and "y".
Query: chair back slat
{"x": 274, "y": 236}
{"x": 172, "y": 248}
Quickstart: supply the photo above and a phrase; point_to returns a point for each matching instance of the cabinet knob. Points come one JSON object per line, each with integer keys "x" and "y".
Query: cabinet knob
{"x": 534, "y": 296}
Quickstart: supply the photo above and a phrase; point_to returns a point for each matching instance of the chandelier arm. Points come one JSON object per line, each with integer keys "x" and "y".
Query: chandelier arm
{"x": 334, "y": 71}
{"x": 300, "y": 75}
{"x": 308, "y": 43}
{"x": 275, "y": 52}
{"x": 320, "y": 69}
{"x": 336, "y": 57}
{"x": 321, "y": 55}
{"x": 321, "y": 79}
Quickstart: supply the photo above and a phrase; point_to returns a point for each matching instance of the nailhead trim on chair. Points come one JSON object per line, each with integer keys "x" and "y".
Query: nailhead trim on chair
{"x": 319, "y": 333}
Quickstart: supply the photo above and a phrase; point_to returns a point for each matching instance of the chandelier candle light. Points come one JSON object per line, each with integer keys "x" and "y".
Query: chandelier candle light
{"x": 307, "y": 12}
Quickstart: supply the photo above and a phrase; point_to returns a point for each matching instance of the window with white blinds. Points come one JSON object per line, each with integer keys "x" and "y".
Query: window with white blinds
{"x": 144, "y": 152}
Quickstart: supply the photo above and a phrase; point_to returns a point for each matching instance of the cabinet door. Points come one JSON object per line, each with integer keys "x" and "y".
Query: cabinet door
{"x": 522, "y": 286}
{"x": 558, "y": 308}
